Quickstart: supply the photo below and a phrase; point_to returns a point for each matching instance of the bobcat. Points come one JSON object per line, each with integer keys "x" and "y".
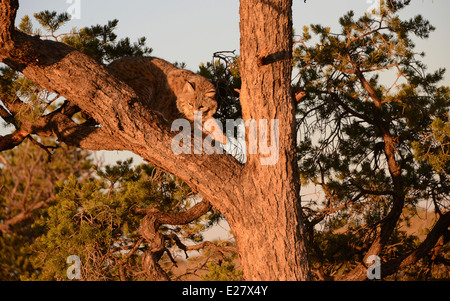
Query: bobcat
{"x": 173, "y": 92}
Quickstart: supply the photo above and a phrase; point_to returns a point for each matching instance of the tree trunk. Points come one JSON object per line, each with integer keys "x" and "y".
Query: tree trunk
{"x": 269, "y": 230}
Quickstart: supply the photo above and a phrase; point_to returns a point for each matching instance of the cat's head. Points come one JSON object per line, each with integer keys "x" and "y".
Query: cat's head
{"x": 197, "y": 94}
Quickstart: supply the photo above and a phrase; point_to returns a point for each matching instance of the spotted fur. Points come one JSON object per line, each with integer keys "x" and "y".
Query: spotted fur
{"x": 171, "y": 91}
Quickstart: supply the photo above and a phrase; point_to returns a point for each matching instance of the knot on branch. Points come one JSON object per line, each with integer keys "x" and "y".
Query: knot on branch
{"x": 266, "y": 59}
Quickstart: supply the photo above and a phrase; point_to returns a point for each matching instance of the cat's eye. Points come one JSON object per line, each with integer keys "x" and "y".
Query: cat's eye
{"x": 192, "y": 84}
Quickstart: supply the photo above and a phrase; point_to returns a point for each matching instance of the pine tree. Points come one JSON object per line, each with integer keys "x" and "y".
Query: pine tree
{"x": 374, "y": 147}
{"x": 28, "y": 181}
{"x": 95, "y": 219}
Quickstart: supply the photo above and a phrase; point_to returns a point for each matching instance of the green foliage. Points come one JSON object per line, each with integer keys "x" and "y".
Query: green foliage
{"x": 434, "y": 146}
{"x": 98, "y": 41}
{"x": 347, "y": 104}
{"x": 336, "y": 112}
{"x": 101, "y": 43}
{"x": 14, "y": 260}
{"x": 27, "y": 187}
{"x": 50, "y": 21}
{"x": 94, "y": 218}
{"x": 227, "y": 82}
{"x": 14, "y": 87}
{"x": 9, "y": 84}
{"x": 26, "y": 25}
{"x": 82, "y": 211}
{"x": 224, "y": 271}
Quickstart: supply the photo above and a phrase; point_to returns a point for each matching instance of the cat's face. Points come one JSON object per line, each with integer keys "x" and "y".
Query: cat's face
{"x": 198, "y": 94}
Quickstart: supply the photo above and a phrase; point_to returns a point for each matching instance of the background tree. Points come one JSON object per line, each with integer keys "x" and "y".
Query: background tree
{"x": 374, "y": 147}
{"x": 27, "y": 186}
{"x": 51, "y": 210}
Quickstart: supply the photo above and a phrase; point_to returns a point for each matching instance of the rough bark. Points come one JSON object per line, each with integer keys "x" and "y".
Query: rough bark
{"x": 261, "y": 202}
{"x": 271, "y": 234}
{"x": 156, "y": 240}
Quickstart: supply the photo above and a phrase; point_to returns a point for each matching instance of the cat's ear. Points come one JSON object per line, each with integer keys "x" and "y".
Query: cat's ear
{"x": 189, "y": 87}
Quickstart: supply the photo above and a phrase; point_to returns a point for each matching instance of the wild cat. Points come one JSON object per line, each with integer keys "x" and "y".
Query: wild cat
{"x": 162, "y": 87}
{"x": 173, "y": 92}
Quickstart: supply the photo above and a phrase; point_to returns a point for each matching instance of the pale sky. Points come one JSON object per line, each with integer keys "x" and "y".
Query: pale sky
{"x": 191, "y": 31}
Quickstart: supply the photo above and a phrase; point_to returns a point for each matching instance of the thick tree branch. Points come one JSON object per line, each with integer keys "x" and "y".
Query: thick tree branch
{"x": 61, "y": 69}
{"x": 439, "y": 229}
{"x": 66, "y": 130}
{"x": 8, "y": 10}
{"x": 156, "y": 240}
{"x": 12, "y": 140}
{"x": 180, "y": 218}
